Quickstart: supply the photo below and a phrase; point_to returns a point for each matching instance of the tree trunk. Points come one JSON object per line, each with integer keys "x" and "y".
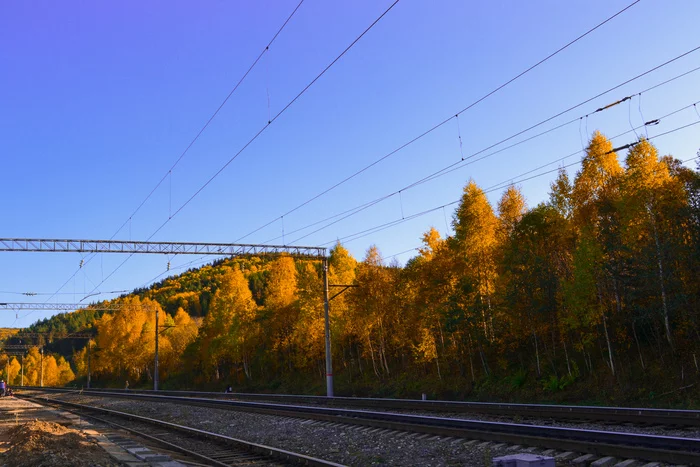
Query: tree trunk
{"x": 566, "y": 354}
{"x": 471, "y": 360}
{"x": 639, "y": 350}
{"x": 667, "y": 325}
{"x": 537, "y": 354}
{"x": 607, "y": 335}
{"x": 371, "y": 352}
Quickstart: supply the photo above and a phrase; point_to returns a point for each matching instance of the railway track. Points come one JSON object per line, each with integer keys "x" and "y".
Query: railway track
{"x": 678, "y": 450}
{"x": 203, "y": 447}
{"x": 640, "y": 416}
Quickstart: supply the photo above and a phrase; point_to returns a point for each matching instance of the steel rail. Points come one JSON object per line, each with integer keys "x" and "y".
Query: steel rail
{"x": 241, "y": 445}
{"x": 637, "y": 415}
{"x": 604, "y": 443}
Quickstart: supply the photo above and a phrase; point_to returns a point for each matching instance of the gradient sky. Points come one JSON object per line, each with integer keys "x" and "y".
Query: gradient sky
{"x": 99, "y": 99}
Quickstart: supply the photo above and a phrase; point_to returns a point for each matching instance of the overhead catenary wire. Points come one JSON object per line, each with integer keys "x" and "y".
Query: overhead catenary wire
{"x": 451, "y": 168}
{"x": 501, "y": 186}
{"x": 33, "y": 294}
{"x": 639, "y": 106}
{"x": 496, "y": 187}
{"x": 443, "y": 122}
{"x": 459, "y": 165}
{"x": 200, "y": 260}
{"x": 262, "y": 130}
{"x": 540, "y": 123}
{"x": 265, "y": 50}
{"x": 192, "y": 142}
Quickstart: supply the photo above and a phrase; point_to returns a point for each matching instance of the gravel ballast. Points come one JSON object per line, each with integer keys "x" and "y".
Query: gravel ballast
{"x": 347, "y": 444}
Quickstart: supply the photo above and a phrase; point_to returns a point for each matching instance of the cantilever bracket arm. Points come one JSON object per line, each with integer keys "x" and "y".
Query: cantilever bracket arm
{"x": 165, "y": 328}
{"x": 344, "y": 288}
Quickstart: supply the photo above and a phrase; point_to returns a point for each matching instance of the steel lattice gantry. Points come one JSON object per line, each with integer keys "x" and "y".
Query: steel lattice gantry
{"x": 165, "y": 248}
{"x": 18, "y": 306}
{"x": 179, "y": 248}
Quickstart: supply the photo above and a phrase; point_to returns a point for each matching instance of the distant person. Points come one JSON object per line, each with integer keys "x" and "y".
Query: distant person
{"x": 126, "y": 386}
{"x": 229, "y": 389}
{"x": 3, "y": 387}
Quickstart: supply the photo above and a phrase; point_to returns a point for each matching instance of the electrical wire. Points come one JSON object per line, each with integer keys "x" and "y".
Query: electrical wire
{"x": 445, "y": 121}
{"x": 32, "y": 294}
{"x": 470, "y": 159}
{"x": 498, "y": 186}
{"x": 261, "y": 131}
{"x": 189, "y": 146}
{"x": 456, "y": 166}
{"x": 515, "y": 135}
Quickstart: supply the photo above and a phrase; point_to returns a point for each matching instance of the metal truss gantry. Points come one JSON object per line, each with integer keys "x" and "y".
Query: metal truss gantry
{"x": 164, "y": 248}
{"x": 19, "y": 306}
{"x": 179, "y": 248}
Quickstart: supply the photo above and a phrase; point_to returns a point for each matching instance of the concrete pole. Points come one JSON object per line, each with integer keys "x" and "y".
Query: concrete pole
{"x": 21, "y": 369}
{"x": 88, "y": 364}
{"x": 155, "y": 366}
{"x": 329, "y": 362}
{"x": 42, "y": 367}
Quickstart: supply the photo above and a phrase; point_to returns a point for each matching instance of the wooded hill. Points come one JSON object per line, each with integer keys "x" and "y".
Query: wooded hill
{"x": 591, "y": 295}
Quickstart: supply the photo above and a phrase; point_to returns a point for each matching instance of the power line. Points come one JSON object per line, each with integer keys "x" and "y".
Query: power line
{"x": 435, "y": 127}
{"x": 182, "y": 266}
{"x": 260, "y": 132}
{"x": 467, "y": 161}
{"x": 216, "y": 112}
{"x": 193, "y": 141}
{"x": 499, "y": 186}
{"x": 470, "y": 159}
{"x": 504, "y": 184}
{"x": 33, "y": 294}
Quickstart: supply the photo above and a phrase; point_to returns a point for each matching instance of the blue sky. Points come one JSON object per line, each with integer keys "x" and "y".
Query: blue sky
{"x": 98, "y": 100}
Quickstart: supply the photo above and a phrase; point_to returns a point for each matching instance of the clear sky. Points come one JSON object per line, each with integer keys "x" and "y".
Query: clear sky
{"x": 99, "y": 99}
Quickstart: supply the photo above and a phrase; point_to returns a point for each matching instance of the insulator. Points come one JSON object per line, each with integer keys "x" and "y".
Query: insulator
{"x": 168, "y": 266}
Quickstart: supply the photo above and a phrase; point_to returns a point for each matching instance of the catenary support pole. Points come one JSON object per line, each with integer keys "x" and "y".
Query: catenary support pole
{"x": 42, "y": 367}
{"x": 21, "y": 369}
{"x": 329, "y": 362}
{"x": 88, "y": 364}
{"x": 155, "y": 366}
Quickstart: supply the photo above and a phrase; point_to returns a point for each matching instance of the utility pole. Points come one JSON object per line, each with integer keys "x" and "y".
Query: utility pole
{"x": 88, "y": 363}
{"x": 155, "y": 366}
{"x": 42, "y": 367}
{"x": 326, "y": 300}
{"x": 21, "y": 369}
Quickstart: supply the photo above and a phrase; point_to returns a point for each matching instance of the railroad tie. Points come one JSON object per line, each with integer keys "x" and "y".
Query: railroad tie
{"x": 604, "y": 462}
{"x": 584, "y": 459}
{"x": 628, "y": 463}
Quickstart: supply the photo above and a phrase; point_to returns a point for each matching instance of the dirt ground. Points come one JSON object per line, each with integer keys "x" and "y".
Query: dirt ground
{"x": 48, "y": 444}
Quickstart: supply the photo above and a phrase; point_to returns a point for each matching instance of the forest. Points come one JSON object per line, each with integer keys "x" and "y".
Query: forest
{"x": 592, "y": 295}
